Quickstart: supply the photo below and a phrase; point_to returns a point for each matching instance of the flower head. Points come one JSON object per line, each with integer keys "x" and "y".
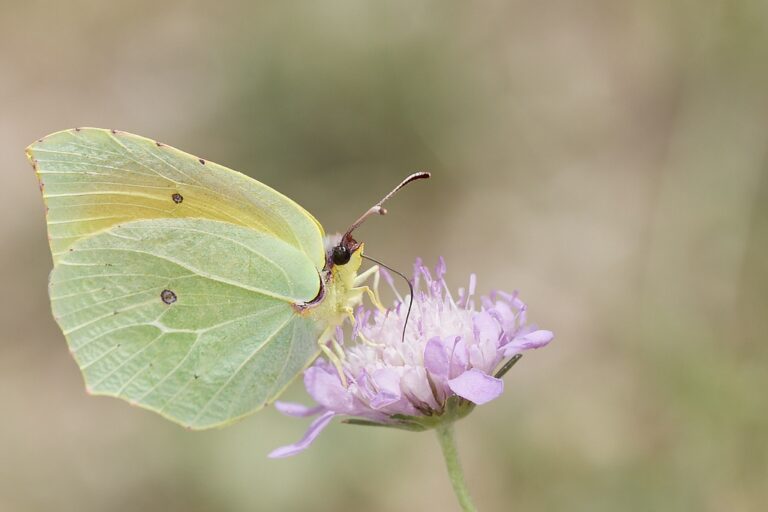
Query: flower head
{"x": 450, "y": 358}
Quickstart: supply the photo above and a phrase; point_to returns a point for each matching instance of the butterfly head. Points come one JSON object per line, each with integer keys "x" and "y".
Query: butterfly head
{"x": 340, "y": 255}
{"x": 340, "y": 250}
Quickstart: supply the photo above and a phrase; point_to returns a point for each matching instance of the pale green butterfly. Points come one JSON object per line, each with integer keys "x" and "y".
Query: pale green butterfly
{"x": 185, "y": 287}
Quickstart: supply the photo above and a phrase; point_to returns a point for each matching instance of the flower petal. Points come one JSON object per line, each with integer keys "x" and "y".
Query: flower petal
{"x": 298, "y": 410}
{"x": 324, "y": 386}
{"x": 313, "y": 431}
{"x": 477, "y": 386}
{"x": 506, "y": 317}
{"x": 436, "y": 358}
{"x": 459, "y": 358}
{"x": 438, "y": 367}
{"x": 486, "y": 329}
{"x": 388, "y": 383}
{"x": 535, "y": 339}
{"x": 414, "y": 382}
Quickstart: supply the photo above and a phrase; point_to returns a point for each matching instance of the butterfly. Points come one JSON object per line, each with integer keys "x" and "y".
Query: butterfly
{"x": 185, "y": 287}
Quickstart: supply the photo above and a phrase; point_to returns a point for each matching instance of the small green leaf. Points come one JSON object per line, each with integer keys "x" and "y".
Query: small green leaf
{"x": 508, "y": 365}
{"x": 402, "y": 425}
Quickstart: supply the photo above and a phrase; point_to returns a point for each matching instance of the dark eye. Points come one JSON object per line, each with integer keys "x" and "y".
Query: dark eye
{"x": 340, "y": 255}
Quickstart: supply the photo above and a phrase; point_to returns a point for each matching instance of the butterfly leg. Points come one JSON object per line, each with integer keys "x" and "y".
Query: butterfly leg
{"x": 372, "y": 292}
{"x": 363, "y": 276}
{"x": 368, "y": 342}
{"x": 374, "y": 298}
{"x": 334, "y": 353}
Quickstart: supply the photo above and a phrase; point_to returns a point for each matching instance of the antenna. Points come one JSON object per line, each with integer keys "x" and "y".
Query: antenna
{"x": 378, "y": 209}
{"x": 410, "y": 287}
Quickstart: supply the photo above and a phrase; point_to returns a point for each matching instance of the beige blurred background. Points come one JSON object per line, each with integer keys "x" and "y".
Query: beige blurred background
{"x": 607, "y": 158}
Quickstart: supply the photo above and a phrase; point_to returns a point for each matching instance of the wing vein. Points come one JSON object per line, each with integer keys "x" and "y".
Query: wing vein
{"x": 128, "y": 360}
{"x": 200, "y": 273}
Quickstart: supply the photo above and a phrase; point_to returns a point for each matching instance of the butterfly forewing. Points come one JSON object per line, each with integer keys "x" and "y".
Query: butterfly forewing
{"x": 93, "y": 179}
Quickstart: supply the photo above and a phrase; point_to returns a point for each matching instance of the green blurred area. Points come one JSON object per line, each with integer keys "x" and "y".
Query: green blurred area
{"x": 609, "y": 159}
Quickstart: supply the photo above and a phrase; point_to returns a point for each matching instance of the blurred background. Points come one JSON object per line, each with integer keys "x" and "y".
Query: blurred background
{"x": 609, "y": 159}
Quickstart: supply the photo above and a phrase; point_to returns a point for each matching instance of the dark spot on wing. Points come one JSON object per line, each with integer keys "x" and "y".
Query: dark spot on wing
{"x": 196, "y": 376}
{"x": 201, "y": 161}
{"x": 177, "y": 198}
{"x": 159, "y": 144}
{"x": 168, "y": 296}
{"x": 114, "y": 132}
{"x": 77, "y": 129}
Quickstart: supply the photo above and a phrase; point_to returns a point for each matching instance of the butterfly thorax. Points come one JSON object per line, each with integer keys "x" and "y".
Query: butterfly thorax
{"x": 338, "y": 294}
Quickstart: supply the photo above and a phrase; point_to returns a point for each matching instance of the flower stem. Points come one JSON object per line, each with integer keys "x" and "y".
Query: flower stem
{"x": 448, "y": 445}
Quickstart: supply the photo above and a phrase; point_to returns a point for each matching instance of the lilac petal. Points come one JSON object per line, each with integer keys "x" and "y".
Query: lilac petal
{"x": 459, "y": 358}
{"x": 415, "y": 383}
{"x": 437, "y": 365}
{"x": 436, "y": 358}
{"x": 324, "y": 386}
{"x": 486, "y": 329}
{"x": 476, "y": 386}
{"x": 383, "y": 399}
{"x": 483, "y": 357}
{"x": 513, "y": 299}
{"x": 506, "y": 317}
{"x": 392, "y": 357}
{"x": 539, "y": 338}
{"x": 535, "y": 339}
{"x": 313, "y": 431}
{"x": 388, "y": 383}
{"x": 298, "y": 410}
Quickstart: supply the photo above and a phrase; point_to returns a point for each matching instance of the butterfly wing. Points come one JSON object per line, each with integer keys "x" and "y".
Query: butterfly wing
{"x": 191, "y": 318}
{"x": 176, "y": 282}
{"x": 93, "y": 178}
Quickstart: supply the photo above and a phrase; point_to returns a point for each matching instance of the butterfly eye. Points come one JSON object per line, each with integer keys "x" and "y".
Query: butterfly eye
{"x": 340, "y": 255}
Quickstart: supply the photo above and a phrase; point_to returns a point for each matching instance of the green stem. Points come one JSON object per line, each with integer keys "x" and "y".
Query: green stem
{"x": 448, "y": 445}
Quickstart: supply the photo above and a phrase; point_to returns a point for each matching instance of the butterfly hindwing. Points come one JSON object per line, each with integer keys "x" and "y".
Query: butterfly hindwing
{"x": 192, "y": 318}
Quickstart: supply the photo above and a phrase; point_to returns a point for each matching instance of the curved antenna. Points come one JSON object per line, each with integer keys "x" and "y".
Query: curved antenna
{"x": 410, "y": 287}
{"x": 379, "y": 209}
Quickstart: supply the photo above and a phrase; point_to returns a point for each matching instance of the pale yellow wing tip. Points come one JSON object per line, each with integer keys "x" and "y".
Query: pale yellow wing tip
{"x": 30, "y": 149}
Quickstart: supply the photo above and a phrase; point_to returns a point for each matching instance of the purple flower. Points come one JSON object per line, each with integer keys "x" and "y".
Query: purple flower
{"x": 452, "y": 358}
